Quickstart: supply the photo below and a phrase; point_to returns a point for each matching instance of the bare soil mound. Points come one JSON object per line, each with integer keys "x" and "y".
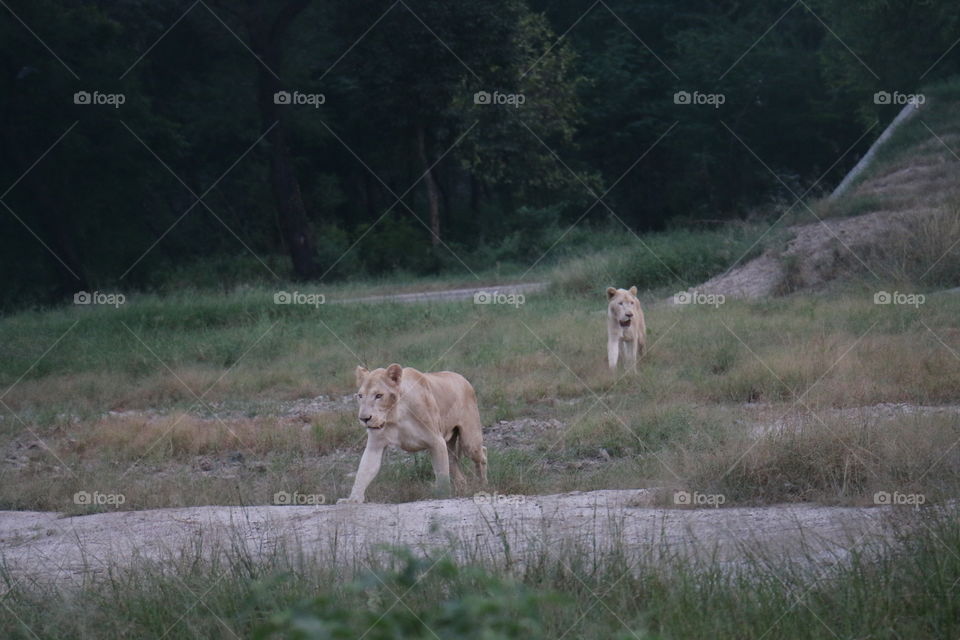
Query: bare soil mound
{"x": 507, "y": 529}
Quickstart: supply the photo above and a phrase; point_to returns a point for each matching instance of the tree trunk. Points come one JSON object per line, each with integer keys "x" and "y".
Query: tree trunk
{"x": 55, "y": 226}
{"x": 267, "y": 37}
{"x": 433, "y": 193}
{"x": 474, "y": 195}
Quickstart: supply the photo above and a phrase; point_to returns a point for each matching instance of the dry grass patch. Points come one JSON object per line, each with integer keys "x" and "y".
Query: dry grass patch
{"x": 178, "y": 436}
{"x": 830, "y": 459}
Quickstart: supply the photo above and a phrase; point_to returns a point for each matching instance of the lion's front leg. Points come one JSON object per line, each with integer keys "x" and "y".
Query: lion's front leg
{"x": 441, "y": 467}
{"x": 629, "y": 354}
{"x": 613, "y": 353}
{"x": 367, "y": 471}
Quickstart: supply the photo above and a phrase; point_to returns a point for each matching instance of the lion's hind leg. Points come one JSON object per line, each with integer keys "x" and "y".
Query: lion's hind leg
{"x": 453, "y": 453}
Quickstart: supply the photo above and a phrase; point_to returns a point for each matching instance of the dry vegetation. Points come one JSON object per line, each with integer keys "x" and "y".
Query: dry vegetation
{"x": 123, "y": 415}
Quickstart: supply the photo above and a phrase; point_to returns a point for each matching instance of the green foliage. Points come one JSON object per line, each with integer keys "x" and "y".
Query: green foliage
{"x": 676, "y": 259}
{"x": 449, "y": 601}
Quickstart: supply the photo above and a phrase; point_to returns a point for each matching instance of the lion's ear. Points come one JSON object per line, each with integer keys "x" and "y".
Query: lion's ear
{"x": 360, "y": 373}
{"x": 633, "y": 290}
{"x": 611, "y": 292}
{"x": 394, "y": 372}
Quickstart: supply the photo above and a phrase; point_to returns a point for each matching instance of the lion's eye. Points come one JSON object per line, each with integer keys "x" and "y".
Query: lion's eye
{"x": 359, "y": 395}
{"x": 379, "y": 395}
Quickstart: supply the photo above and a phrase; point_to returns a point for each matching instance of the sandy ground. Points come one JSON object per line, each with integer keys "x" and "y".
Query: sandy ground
{"x": 506, "y": 529}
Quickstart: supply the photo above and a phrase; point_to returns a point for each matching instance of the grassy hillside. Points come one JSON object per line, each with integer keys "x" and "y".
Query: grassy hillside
{"x": 914, "y": 182}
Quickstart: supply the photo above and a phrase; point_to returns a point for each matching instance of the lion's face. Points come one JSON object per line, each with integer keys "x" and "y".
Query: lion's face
{"x": 377, "y": 394}
{"x": 623, "y": 305}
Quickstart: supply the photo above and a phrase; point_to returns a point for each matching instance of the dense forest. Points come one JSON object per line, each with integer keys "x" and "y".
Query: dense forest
{"x": 316, "y": 140}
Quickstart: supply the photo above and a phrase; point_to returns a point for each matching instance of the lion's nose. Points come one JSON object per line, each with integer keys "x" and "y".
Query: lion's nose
{"x": 365, "y": 419}
{"x": 629, "y": 315}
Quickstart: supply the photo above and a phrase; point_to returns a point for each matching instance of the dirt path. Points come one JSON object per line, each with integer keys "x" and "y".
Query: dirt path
{"x": 44, "y": 546}
{"x": 450, "y": 294}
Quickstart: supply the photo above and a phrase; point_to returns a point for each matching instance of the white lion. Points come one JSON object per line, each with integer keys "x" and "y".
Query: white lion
{"x": 626, "y": 330}
{"x": 415, "y": 411}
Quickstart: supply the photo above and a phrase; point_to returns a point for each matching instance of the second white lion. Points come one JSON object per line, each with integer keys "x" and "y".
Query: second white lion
{"x": 626, "y": 330}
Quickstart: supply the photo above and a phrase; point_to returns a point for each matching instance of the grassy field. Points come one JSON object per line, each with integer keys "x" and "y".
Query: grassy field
{"x": 205, "y": 399}
{"x": 131, "y": 399}
{"x": 218, "y": 396}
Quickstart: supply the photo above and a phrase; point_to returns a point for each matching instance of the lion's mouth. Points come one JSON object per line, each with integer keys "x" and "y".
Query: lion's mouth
{"x": 625, "y": 323}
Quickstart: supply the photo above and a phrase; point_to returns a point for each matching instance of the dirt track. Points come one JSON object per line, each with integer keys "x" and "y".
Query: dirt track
{"x": 44, "y": 546}
{"x": 450, "y": 294}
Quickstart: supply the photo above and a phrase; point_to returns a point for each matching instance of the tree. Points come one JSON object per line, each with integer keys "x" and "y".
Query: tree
{"x": 268, "y": 28}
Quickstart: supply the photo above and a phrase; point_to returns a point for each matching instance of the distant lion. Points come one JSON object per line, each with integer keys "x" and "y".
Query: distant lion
{"x": 626, "y": 330}
{"x": 415, "y": 411}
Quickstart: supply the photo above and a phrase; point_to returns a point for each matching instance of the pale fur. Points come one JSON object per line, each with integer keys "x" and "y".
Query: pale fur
{"x": 416, "y": 412}
{"x": 624, "y": 342}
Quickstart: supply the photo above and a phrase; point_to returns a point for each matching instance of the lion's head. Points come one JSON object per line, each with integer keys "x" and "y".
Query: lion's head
{"x": 623, "y": 305}
{"x": 377, "y": 394}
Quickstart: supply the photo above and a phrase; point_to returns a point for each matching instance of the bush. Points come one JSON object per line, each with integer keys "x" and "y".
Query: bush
{"x": 478, "y": 604}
